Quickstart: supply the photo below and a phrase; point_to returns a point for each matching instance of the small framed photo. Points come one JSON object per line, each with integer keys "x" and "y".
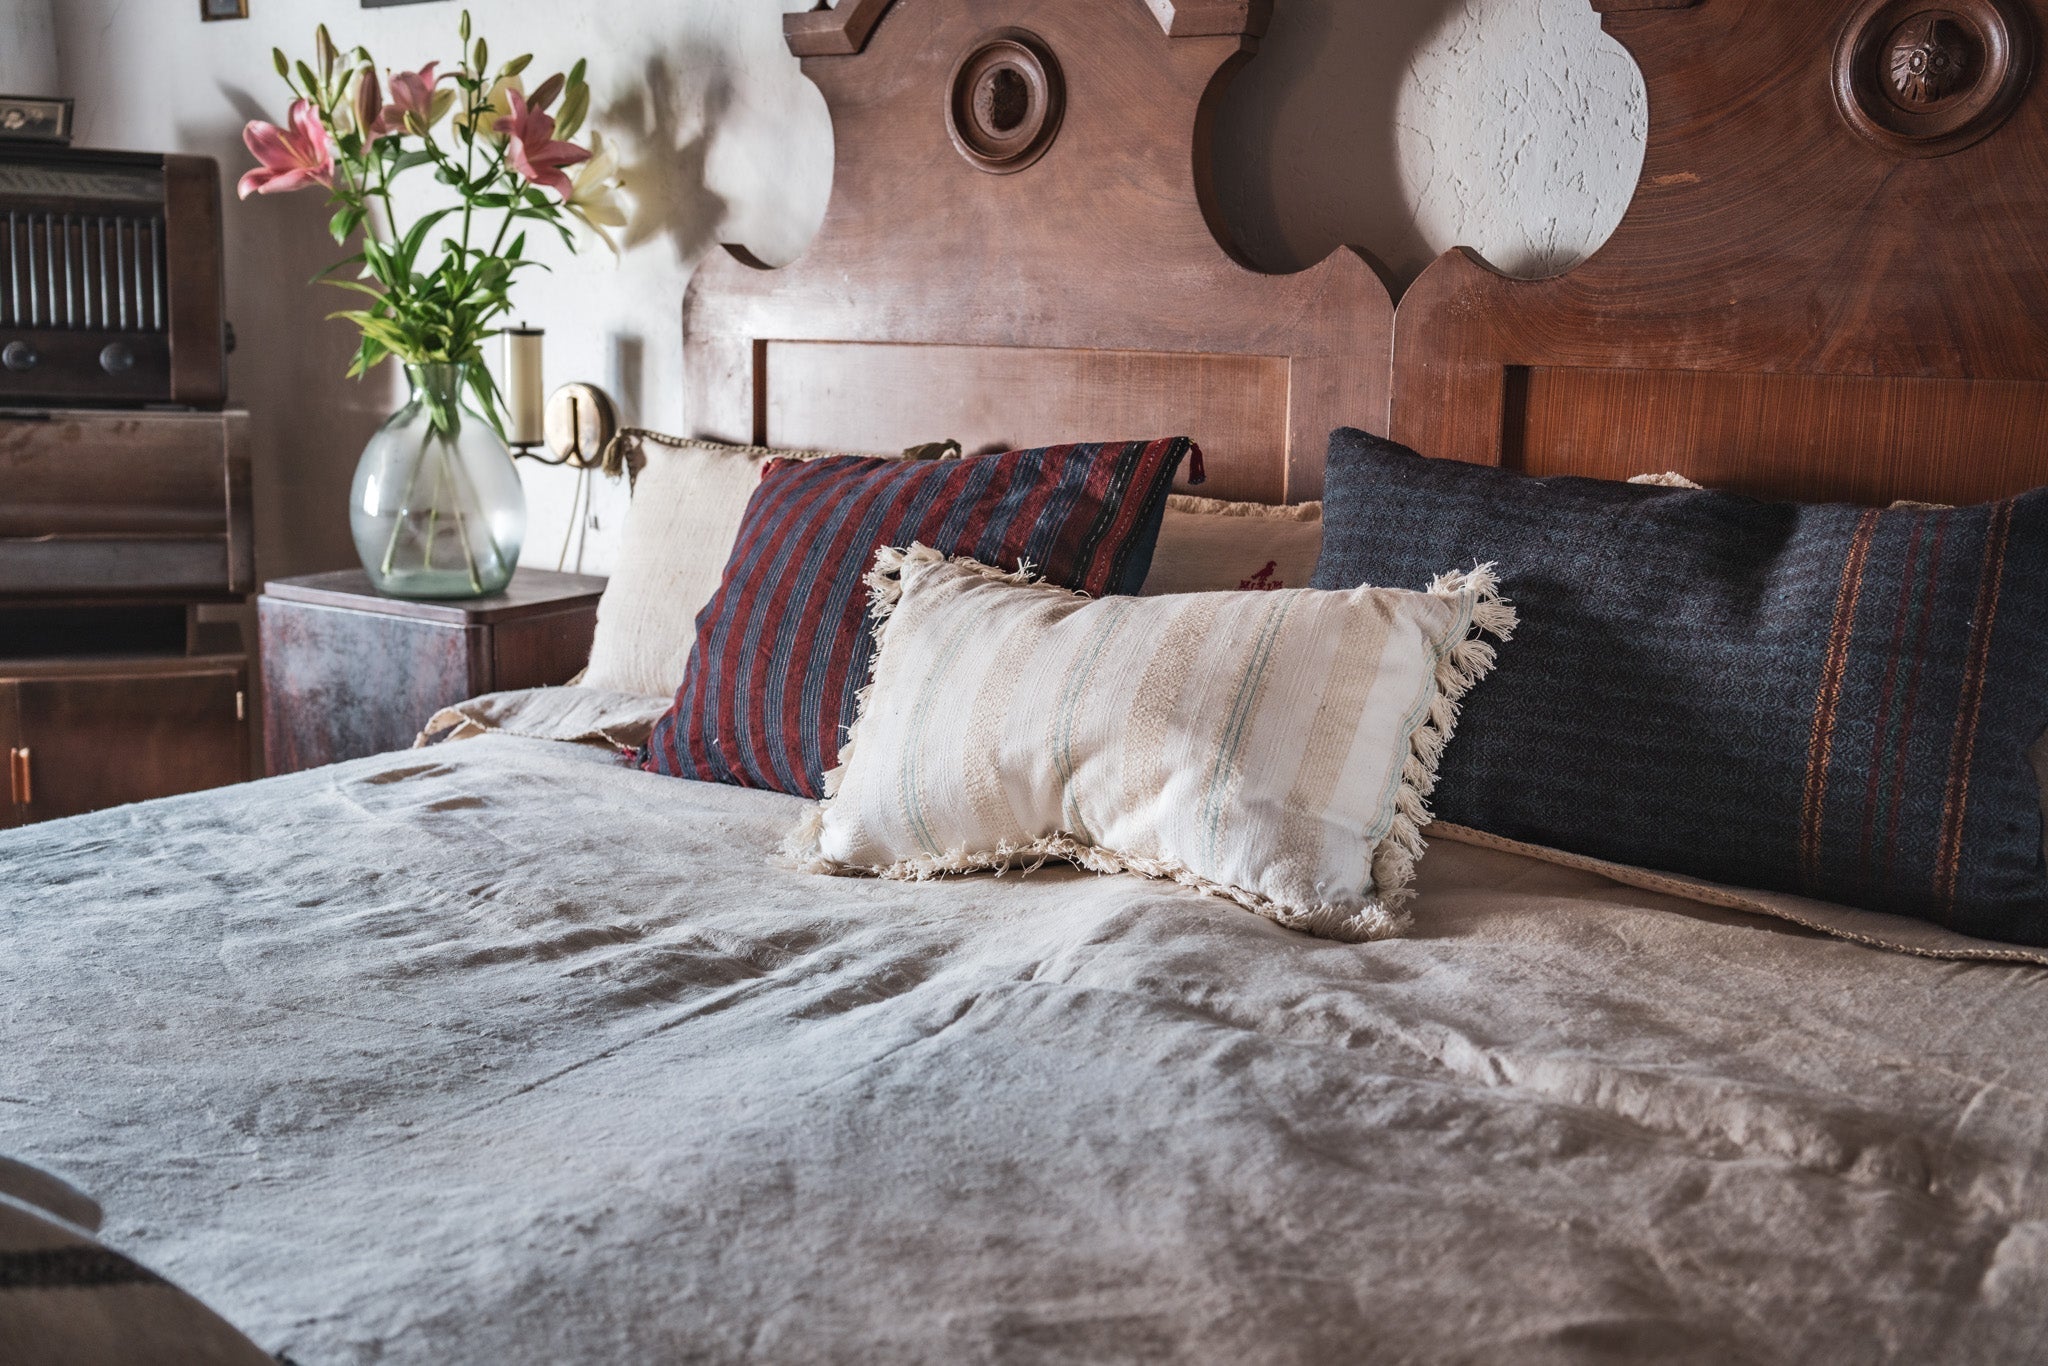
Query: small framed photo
{"x": 210, "y": 10}
{"x": 28, "y": 118}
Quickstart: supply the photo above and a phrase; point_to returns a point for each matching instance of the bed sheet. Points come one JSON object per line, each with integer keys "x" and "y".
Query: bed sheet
{"x": 501, "y": 1051}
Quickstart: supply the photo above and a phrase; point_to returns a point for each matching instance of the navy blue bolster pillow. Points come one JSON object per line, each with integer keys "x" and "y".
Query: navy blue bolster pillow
{"x": 1814, "y": 698}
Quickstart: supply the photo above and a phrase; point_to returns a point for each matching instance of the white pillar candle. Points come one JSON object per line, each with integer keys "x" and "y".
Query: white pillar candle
{"x": 525, "y": 396}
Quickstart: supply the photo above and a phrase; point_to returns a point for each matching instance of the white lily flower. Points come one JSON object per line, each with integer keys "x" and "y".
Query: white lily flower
{"x": 594, "y": 192}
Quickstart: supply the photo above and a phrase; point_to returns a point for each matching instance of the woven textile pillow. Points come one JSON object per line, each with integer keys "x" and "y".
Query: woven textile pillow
{"x": 1206, "y": 544}
{"x": 783, "y": 646}
{"x": 1275, "y": 748}
{"x": 686, "y": 511}
{"x": 1827, "y": 700}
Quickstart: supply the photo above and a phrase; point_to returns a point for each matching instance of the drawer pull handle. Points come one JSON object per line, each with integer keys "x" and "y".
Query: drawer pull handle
{"x": 18, "y": 773}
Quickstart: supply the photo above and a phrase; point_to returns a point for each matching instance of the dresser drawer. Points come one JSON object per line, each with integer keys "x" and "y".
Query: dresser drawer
{"x": 96, "y": 503}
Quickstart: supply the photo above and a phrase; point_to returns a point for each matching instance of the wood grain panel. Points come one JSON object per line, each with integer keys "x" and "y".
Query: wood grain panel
{"x": 106, "y": 736}
{"x": 10, "y": 738}
{"x": 1783, "y": 436}
{"x": 78, "y": 472}
{"x": 542, "y": 651}
{"x": 50, "y": 566}
{"x": 881, "y": 399}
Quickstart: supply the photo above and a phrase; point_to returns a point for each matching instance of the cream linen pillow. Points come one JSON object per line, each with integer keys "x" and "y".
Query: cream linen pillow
{"x": 685, "y": 515}
{"x": 1275, "y": 748}
{"x": 1206, "y": 544}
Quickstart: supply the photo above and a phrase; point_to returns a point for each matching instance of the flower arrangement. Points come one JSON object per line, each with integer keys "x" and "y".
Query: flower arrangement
{"x": 437, "y": 509}
{"x": 438, "y": 284}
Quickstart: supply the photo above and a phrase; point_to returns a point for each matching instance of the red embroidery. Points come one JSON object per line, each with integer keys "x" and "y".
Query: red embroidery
{"x": 1263, "y": 581}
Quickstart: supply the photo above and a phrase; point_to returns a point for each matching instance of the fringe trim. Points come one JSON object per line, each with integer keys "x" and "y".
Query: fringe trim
{"x": 1463, "y": 663}
{"x": 1217, "y": 507}
{"x": 1374, "y": 920}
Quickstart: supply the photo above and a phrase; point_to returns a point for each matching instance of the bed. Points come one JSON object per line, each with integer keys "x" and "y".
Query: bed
{"x": 501, "y": 1050}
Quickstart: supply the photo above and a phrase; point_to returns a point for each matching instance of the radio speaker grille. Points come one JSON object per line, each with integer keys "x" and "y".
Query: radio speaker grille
{"x": 83, "y": 272}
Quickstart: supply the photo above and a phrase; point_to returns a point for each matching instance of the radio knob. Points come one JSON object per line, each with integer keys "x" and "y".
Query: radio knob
{"x": 117, "y": 358}
{"x": 18, "y": 356}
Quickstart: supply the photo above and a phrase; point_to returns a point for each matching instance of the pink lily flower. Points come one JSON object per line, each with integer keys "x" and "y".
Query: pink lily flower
{"x": 293, "y": 157}
{"x": 533, "y": 151}
{"x": 415, "y": 105}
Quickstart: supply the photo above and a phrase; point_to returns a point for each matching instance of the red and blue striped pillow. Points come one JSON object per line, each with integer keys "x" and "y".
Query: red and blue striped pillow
{"x": 783, "y": 646}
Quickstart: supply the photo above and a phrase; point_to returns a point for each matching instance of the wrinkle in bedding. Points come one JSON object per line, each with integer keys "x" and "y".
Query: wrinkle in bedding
{"x": 505, "y": 1053}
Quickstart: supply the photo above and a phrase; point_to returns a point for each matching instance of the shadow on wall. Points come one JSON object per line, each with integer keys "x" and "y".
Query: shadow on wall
{"x": 665, "y": 131}
{"x": 309, "y": 425}
{"x": 1306, "y": 154}
{"x": 1408, "y": 126}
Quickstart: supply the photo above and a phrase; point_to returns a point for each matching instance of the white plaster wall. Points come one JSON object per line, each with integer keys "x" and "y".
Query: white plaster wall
{"x": 28, "y": 48}
{"x": 1401, "y": 126}
{"x": 1511, "y": 126}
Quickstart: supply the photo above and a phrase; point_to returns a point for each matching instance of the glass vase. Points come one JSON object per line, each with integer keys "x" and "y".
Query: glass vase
{"x": 437, "y": 509}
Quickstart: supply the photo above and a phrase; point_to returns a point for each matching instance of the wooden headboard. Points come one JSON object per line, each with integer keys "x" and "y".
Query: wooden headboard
{"x": 1021, "y": 249}
{"x": 1832, "y": 283}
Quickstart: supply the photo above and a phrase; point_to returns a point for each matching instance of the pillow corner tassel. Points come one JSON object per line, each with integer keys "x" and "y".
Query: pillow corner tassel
{"x": 1460, "y": 669}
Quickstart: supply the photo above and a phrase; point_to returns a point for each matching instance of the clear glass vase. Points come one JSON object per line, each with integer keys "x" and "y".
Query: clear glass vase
{"x": 437, "y": 508}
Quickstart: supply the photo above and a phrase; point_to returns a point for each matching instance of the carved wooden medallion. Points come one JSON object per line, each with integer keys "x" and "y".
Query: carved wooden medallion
{"x": 1006, "y": 101}
{"x": 1927, "y": 80}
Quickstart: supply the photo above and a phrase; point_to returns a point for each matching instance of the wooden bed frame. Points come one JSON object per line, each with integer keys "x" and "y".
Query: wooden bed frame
{"x": 1832, "y": 283}
{"x": 1022, "y": 248}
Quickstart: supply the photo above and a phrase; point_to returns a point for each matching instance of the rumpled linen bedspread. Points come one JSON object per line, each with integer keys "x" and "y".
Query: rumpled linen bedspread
{"x": 499, "y": 1052}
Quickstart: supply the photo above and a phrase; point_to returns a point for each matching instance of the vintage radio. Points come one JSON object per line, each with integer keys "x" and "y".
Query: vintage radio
{"x": 110, "y": 279}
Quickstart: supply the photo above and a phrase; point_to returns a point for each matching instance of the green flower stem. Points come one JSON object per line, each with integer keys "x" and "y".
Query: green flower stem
{"x": 411, "y": 487}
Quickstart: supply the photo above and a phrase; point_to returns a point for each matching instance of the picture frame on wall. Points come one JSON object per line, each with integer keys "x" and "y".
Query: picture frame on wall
{"x": 209, "y": 10}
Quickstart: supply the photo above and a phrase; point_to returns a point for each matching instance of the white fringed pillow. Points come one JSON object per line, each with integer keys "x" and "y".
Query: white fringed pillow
{"x": 1275, "y": 748}
{"x": 1207, "y": 545}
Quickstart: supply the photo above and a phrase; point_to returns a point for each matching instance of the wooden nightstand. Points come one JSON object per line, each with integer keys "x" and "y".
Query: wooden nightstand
{"x": 348, "y": 672}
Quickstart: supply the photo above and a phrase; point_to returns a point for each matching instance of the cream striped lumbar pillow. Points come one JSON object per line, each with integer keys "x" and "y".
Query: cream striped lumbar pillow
{"x": 1275, "y": 748}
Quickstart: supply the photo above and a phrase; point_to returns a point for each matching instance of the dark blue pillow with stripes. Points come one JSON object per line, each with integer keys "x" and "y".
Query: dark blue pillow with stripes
{"x": 783, "y": 647}
{"x": 1820, "y": 699}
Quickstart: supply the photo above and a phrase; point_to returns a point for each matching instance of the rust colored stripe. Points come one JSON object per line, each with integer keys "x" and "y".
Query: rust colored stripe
{"x": 1949, "y": 860}
{"x": 1821, "y": 747}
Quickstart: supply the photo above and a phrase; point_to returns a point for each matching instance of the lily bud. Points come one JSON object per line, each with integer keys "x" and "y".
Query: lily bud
{"x": 545, "y": 94}
{"x": 281, "y": 62}
{"x": 483, "y": 56}
{"x": 465, "y": 27}
{"x": 369, "y": 101}
{"x": 323, "y": 47}
{"x": 516, "y": 65}
{"x": 575, "y": 106}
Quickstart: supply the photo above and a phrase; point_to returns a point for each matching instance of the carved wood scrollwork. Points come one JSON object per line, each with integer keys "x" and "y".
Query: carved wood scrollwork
{"x": 1927, "y": 80}
{"x": 1006, "y": 101}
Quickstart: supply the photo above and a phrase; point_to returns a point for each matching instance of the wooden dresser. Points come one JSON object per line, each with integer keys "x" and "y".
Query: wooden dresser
{"x": 121, "y": 534}
{"x": 348, "y": 672}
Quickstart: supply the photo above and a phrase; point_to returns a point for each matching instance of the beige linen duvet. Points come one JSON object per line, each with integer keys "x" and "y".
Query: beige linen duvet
{"x": 501, "y": 1052}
